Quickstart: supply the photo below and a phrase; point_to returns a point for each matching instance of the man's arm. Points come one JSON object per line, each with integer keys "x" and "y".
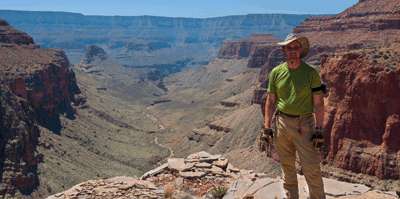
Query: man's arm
{"x": 319, "y": 109}
{"x": 269, "y": 109}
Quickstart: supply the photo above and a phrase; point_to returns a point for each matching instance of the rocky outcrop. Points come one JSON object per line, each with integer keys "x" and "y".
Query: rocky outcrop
{"x": 93, "y": 61}
{"x": 197, "y": 177}
{"x": 362, "y": 111}
{"x": 36, "y": 86}
{"x": 245, "y": 48}
{"x": 94, "y": 52}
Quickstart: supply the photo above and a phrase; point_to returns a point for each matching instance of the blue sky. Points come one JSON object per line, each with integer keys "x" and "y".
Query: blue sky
{"x": 181, "y": 8}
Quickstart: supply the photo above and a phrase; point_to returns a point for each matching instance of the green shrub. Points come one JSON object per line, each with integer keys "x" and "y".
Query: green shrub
{"x": 219, "y": 191}
{"x": 386, "y": 56}
{"x": 380, "y": 52}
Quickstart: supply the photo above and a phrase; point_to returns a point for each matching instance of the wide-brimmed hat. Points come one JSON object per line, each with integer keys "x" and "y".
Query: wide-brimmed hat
{"x": 302, "y": 40}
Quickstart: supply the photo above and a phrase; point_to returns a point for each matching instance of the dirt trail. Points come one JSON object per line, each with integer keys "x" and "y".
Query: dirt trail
{"x": 155, "y": 138}
{"x": 155, "y": 120}
{"x": 170, "y": 150}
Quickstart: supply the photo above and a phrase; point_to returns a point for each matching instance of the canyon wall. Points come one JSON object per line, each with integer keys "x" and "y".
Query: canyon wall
{"x": 362, "y": 113}
{"x": 36, "y": 85}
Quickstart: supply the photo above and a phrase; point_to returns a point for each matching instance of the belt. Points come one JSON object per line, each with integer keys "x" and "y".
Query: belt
{"x": 289, "y": 115}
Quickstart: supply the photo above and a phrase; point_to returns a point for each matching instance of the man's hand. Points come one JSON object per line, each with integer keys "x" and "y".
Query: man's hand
{"x": 268, "y": 135}
{"x": 317, "y": 139}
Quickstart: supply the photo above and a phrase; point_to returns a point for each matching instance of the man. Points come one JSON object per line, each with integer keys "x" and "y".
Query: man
{"x": 293, "y": 89}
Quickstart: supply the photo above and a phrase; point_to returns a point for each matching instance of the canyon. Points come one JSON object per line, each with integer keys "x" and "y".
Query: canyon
{"x": 100, "y": 112}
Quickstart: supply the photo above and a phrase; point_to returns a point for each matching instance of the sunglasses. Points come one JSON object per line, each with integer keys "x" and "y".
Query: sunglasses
{"x": 296, "y": 48}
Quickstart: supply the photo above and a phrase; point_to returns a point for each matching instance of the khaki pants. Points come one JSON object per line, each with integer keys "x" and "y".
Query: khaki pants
{"x": 288, "y": 140}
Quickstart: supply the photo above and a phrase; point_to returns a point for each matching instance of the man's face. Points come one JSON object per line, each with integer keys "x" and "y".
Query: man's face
{"x": 293, "y": 51}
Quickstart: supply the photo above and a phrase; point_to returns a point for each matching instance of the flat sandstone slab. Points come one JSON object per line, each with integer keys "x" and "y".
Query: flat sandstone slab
{"x": 179, "y": 164}
{"x": 190, "y": 175}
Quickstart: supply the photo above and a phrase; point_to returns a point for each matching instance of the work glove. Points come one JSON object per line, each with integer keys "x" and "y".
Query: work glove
{"x": 317, "y": 139}
{"x": 268, "y": 135}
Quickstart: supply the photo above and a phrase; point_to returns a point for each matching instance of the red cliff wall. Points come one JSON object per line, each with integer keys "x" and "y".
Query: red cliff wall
{"x": 362, "y": 114}
{"x": 35, "y": 86}
{"x": 42, "y": 77}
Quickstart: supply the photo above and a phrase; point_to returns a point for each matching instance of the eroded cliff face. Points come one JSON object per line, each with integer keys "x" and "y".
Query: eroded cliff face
{"x": 362, "y": 111}
{"x": 36, "y": 85}
{"x": 48, "y": 87}
{"x": 246, "y": 47}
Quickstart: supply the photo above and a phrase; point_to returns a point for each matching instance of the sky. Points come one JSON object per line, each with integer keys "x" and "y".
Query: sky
{"x": 180, "y": 8}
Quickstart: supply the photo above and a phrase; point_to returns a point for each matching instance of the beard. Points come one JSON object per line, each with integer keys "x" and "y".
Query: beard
{"x": 293, "y": 57}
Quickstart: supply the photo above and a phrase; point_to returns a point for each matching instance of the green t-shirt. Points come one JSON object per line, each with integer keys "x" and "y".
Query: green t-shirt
{"x": 293, "y": 88}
